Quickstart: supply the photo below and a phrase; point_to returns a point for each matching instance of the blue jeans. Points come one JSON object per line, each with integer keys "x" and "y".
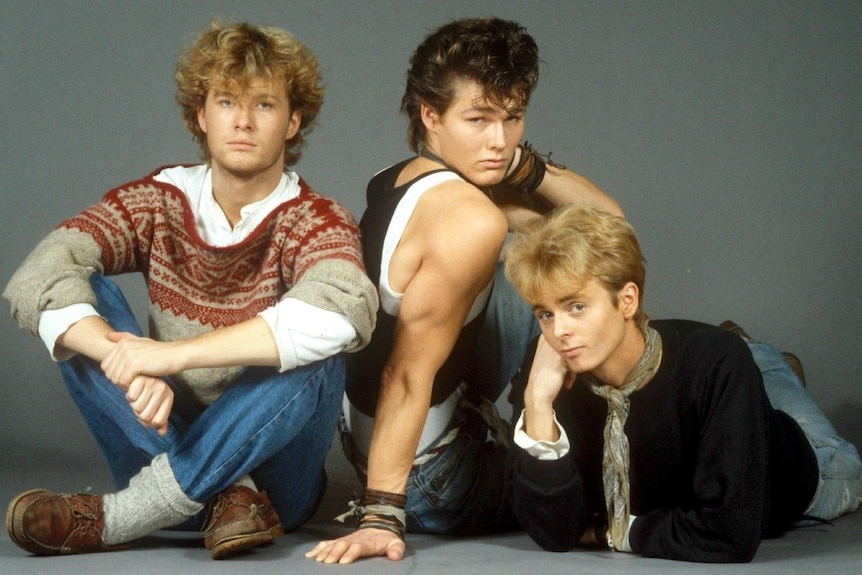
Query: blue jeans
{"x": 839, "y": 489}
{"x": 509, "y": 328}
{"x": 462, "y": 488}
{"x": 275, "y": 427}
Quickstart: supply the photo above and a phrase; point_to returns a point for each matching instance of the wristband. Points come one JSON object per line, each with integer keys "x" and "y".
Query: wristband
{"x": 527, "y": 176}
{"x": 379, "y": 510}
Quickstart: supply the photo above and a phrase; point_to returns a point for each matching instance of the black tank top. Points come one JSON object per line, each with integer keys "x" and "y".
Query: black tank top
{"x": 365, "y": 366}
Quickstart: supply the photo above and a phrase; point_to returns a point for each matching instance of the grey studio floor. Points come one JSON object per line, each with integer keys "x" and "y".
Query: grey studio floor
{"x": 826, "y": 550}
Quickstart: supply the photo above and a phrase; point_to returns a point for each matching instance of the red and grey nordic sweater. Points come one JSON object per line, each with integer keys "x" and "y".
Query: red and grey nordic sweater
{"x": 308, "y": 247}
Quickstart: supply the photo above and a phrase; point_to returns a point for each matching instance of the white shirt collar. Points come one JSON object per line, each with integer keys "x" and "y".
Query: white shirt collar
{"x": 212, "y": 224}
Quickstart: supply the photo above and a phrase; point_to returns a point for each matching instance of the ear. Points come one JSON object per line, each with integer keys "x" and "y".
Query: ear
{"x": 628, "y": 299}
{"x": 202, "y": 120}
{"x": 429, "y": 116}
{"x": 295, "y": 123}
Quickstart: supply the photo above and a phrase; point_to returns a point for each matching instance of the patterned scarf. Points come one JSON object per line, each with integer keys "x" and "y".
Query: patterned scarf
{"x": 615, "y": 460}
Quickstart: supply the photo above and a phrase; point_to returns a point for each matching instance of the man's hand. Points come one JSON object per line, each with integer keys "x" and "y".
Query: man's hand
{"x": 548, "y": 375}
{"x": 134, "y": 365}
{"x": 361, "y": 543}
{"x": 151, "y": 399}
{"x": 133, "y": 356}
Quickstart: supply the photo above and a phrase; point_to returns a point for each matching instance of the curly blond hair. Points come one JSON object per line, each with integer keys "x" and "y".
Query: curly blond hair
{"x": 233, "y": 56}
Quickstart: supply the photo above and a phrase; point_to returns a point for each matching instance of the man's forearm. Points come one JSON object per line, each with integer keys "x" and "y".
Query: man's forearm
{"x": 88, "y": 336}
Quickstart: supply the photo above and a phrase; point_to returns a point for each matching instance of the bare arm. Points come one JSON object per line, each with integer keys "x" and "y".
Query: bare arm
{"x": 136, "y": 364}
{"x": 250, "y": 342}
{"x": 548, "y": 375}
{"x": 560, "y": 186}
{"x": 150, "y": 398}
{"x": 458, "y": 259}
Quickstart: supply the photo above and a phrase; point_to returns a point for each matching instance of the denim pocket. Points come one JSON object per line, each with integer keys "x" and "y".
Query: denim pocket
{"x": 439, "y": 489}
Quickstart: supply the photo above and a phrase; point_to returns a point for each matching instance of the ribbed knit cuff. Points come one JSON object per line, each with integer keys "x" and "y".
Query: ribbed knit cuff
{"x": 166, "y": 483}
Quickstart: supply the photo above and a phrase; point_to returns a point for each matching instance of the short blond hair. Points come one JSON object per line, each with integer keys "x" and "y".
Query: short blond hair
{"x": 232, "y": 57}
{"x": 572, "y": 245}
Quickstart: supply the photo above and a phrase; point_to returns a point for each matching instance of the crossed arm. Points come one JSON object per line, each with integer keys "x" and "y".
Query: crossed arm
{"x": 137, "y": 364}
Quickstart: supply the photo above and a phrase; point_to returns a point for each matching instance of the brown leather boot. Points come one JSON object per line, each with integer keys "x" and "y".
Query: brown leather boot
{"x": 795, "y": 363}
{"x": 47, "y": 523}
{"x": 240, "y": 519}
{"x": 733, "y": 327}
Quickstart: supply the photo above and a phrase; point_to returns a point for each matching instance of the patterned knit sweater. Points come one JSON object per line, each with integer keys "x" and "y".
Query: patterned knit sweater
{"x": 308, "y": 248}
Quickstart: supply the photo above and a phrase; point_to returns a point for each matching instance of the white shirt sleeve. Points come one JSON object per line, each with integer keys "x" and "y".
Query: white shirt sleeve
{"x": 544, "y": 450}
{"x": 305, "y": 333}
{"x": 54, "y": 323}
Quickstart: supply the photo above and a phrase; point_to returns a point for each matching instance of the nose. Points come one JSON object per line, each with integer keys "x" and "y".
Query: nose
{"x": 497, "y": 136}
{"x": 243, "y": 118}
{"x": 562, "y": 327}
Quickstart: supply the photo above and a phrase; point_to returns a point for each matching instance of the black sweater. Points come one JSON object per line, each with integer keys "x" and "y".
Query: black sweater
{"x": 714, "y": 468}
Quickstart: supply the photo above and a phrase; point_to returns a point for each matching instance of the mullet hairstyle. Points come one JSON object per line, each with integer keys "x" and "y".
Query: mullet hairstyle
{"x": 231, "y": 57}
{"x": 497, "y": 54}
{"x": 572, "y": 245}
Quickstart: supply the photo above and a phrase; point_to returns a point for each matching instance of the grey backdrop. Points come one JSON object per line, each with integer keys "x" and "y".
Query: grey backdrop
{"x": 730, "y": 132}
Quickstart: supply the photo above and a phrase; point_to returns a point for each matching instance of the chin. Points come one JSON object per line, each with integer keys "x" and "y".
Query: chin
{"x": 486, "y": 179}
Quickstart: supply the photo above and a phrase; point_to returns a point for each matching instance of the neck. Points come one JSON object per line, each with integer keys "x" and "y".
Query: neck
{"x": 233, "y": 191}
{"x": 614, "y": 371}
{"x": 429, "y": 154}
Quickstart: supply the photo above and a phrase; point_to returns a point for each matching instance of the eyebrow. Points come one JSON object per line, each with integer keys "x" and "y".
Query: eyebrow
{"x": 489, "y": 109}
{"x": 559, "y": 300}
{"x": 250, "y": 93}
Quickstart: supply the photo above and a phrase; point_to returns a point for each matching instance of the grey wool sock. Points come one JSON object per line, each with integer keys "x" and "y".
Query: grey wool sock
{"x": 246, "y": 481}
{"x": 153, "y": 500}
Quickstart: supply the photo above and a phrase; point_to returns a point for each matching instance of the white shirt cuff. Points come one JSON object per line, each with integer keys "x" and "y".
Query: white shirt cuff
{"x": 305, "y": 333}
{"x": 626, "y": 546}
{"x": 54, "y": 322}
{"x": 543, "y": 450}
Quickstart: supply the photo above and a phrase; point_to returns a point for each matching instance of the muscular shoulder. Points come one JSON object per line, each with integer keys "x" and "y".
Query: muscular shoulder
{"x": 455, "y": 212}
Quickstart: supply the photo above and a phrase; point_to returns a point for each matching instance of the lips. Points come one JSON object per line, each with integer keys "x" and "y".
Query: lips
{"x": 494, "y": 164}
{"x": 572, "y": 352}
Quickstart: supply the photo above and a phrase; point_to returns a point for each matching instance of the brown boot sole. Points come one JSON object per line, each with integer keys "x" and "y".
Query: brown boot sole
{"x": 276, "y": 531}
{"x": 233, "y": 546}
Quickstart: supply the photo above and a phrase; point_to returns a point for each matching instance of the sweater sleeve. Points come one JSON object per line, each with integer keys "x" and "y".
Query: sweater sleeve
{"x": 547, "y": 494}
{"x": 56, "y": 273}
{"x": 721, "y": 517}
{"x": 329, "y": 273}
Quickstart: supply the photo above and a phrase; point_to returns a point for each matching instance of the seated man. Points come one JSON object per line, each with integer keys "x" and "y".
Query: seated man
{"x": 419, "y": 423}
{"x": 256, "y": 285}
{"x": 672, "y": 438}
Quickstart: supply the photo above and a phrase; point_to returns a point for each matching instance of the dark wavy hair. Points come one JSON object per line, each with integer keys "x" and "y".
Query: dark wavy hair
{"x": 232, "y": 56}
{"x": 497, "y": 54}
